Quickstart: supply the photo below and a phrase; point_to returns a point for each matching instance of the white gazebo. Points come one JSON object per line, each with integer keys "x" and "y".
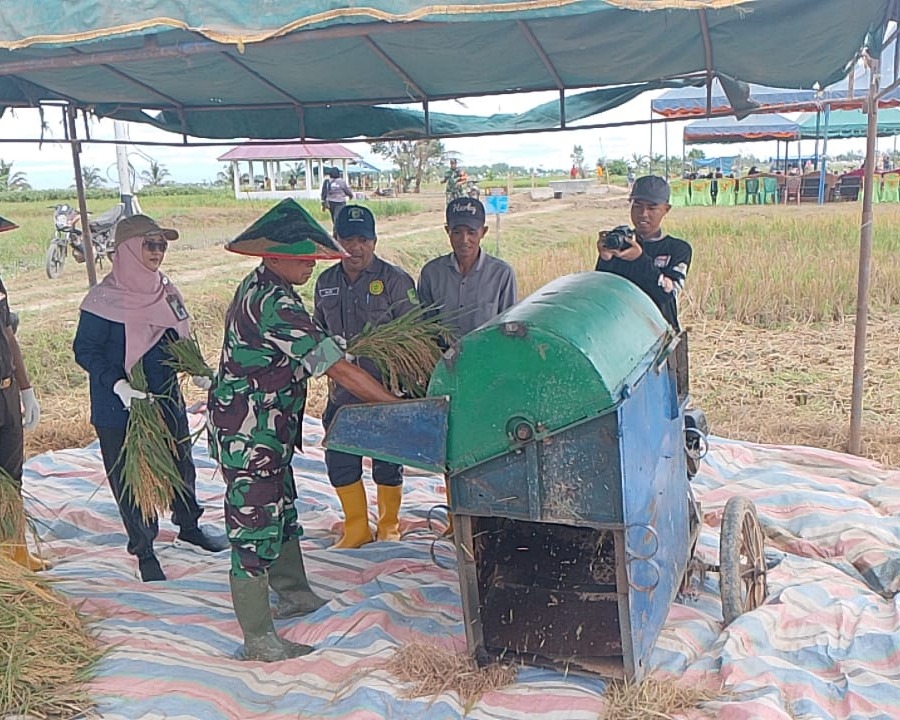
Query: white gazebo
{"x": 293, "y": 169}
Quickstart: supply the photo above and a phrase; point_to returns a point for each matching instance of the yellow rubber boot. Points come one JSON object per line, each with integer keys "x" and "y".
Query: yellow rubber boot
{"x": 389, "y": 497}
{"x": 18, "y": 551}
{"x": 356, "y": 516}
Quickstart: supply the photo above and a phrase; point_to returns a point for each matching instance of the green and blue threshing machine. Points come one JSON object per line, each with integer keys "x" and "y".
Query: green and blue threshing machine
{"x": 561, "y": 428}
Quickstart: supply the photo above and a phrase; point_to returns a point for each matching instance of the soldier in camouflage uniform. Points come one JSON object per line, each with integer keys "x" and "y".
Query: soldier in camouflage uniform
{"x": 271, "y": 347}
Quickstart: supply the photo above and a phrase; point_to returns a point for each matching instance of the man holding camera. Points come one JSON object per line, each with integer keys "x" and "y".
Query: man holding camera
{"x": 655, "y": 262}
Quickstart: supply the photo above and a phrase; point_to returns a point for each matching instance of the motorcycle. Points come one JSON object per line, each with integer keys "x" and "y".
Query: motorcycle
{"x": 67, "y": 236}
{"x": 459, "y": 186}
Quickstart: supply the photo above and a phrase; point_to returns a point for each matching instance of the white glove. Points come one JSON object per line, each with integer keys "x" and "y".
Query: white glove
{"x": 126, "y": 393}
{"x": 31, "y": 411}
{"x": 201, "y": 381}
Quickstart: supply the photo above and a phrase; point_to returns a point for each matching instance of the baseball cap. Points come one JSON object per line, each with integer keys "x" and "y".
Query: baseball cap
{"x": 355, "y": 221}
{"x": 465, "y": 211}
{"x": 138, "y": 225}
{"x": 650, "y": 188}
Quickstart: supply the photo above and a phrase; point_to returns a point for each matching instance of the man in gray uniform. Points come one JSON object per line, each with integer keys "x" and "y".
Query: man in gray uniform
{"x": 468, "y": 286}
{"x": 361, "y": 289}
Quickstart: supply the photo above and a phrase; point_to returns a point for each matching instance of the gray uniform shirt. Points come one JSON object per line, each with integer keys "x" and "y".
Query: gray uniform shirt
{"x": 381, "y": 293}
{"x": 470, "y": 300}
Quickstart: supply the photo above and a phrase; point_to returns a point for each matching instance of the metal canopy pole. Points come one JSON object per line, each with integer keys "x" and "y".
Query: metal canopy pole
{"x": 854, "y": 442}
{"x": 87, "y": 244}
{"x": 823, "y": 161}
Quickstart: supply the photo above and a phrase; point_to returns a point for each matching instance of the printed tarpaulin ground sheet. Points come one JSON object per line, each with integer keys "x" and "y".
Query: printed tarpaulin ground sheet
{"x": 826, "y": 643}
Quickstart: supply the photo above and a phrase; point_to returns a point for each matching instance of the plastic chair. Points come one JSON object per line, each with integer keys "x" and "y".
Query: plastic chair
{"x": 700, "y": 194}
{"x": 727, "y": 191}
{"x": 751, "y": 191}
{"x": 769, "y": 190}
{"x": 679, "y": 193}
{"x": 890, "y": 190}
{"x": 792, "y": 188}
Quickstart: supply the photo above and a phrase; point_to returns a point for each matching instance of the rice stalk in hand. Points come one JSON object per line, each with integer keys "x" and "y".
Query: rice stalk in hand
{"x": 405, "y": 350}
{"x": 12, "y": 509}
{"x": 186, "y": 357}
{"x": 149, "y": 474}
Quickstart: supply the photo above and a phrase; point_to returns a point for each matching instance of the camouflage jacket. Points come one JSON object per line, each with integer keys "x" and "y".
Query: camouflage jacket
{"x": 271, "y": 347}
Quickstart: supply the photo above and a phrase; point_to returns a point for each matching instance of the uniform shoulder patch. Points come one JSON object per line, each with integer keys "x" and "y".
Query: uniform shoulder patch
{"x": 412, "y": 297}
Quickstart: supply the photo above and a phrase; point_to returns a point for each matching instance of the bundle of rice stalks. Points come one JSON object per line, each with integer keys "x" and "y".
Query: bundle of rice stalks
{"x": 430, "y": 670}
{"x": 651, "y": 699}
{"x": 149, "y": 473}
{"x": 12, "y": 509}
{"x": 186, "y": 357}
{"x": 405, "y": 350}
{"x": 46, "y": 653}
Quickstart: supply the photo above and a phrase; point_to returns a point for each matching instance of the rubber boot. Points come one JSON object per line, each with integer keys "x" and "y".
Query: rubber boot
{"x": 287, "y": 577}
{"x": 356, "y": 516}
{"x": 250, "y": 597}
{"x": 18, "y": 551}
{"x": 389, "y": 497}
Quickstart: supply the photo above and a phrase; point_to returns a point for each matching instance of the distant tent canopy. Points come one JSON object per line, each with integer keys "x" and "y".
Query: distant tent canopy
{"x": 361, "y": 167}
{"x": 770, "y": 126}
{"x": 848, "y": 124}
{"x": 725, "y": 164}
{"x": 690, "y": 100}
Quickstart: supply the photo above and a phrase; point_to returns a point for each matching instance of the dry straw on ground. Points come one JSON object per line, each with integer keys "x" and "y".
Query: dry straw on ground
{"x": 46, "y": 651}
{"x": 651, "y": 699}
{"x": 428, "y": 670}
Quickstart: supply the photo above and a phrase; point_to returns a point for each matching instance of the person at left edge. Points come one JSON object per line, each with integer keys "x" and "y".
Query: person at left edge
{"x": 360, "y": 290}
{"x": 270, "y": 349}
{"x": 127, "y": 318}
{"x": 19, "y": 410}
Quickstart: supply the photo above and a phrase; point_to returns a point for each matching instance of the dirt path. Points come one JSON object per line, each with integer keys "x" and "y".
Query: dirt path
{"x": 34, "y": 292}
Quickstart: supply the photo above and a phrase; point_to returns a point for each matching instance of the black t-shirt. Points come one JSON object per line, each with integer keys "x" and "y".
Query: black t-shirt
{"x": 666, "y": 257}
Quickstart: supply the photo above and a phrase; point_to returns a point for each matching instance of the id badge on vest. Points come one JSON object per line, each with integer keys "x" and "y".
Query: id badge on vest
{"x": 177, "y": 306}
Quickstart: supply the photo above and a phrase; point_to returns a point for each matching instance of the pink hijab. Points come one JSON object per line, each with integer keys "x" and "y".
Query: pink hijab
{"x": 144, "y": 300}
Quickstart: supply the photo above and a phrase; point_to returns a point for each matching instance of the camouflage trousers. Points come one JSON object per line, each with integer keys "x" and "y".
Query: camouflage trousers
{"x": 259, "y": 516}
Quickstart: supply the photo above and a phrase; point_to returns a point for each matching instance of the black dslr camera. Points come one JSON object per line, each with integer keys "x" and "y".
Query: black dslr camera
{"x": 618, "y": 238}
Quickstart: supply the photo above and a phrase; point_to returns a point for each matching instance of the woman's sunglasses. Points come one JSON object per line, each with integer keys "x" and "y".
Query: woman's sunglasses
{"x": 154, "y": 245}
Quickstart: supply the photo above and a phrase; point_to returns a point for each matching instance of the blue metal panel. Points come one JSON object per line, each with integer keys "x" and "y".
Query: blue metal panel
{"x": 657, "y": 533}
{"x": 570, "y": 477}
{"x": 409, "y": 432}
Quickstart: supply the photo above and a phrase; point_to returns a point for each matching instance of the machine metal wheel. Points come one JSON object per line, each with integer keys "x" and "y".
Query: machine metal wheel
{"x": 742, "y": 562}
{"x": 56, "y": 258}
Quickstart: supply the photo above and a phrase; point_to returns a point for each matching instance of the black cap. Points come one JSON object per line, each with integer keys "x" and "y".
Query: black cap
{"x": 465, "y": 211}
{"x": 652, "y": 189}
{"x": 355, "y": 221}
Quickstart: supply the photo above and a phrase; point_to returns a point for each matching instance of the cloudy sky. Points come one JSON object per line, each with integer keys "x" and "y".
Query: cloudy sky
{"x": 50, "y": 166}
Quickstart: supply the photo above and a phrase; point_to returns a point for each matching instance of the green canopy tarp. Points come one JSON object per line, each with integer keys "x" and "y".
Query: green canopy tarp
{"x": 320, "y": 69}
{"x": 848, "y": 124}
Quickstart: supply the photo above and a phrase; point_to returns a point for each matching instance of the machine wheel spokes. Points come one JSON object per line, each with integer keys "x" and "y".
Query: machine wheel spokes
{"x": 742, "y": 562}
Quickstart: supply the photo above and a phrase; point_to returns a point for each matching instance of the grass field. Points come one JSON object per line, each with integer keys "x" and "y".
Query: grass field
{"x": 769, "y": 303}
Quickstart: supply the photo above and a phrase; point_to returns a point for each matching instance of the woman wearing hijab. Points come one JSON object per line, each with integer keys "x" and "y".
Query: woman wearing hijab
{"x": 128, "y": 318}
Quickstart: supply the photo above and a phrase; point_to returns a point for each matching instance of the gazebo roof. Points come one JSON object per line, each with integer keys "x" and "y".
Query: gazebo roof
{"x": 292, "y": 151}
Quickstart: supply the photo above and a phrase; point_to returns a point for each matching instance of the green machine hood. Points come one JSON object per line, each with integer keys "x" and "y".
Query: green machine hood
{"x": 566, "y": 353}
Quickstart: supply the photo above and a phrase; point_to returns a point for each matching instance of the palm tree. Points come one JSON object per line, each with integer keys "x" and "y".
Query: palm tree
{"x": 10, "y": 180}
{"x": 156, "y": 175}
{"x": 225, "y": 176}
{"x": 91, "y": 177}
